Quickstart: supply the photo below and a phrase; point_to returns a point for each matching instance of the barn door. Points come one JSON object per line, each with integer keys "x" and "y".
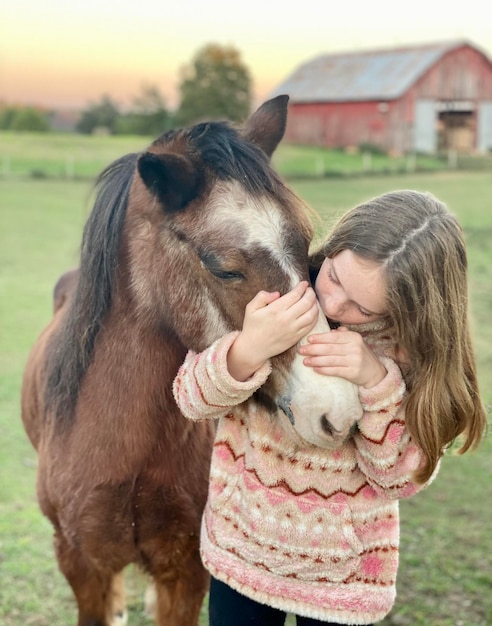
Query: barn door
{"x": 425, "y": 126}
{"x": 484, "y": 129}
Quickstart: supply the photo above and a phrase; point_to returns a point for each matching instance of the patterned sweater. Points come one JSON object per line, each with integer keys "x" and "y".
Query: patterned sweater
{"x": 309, "y": 531}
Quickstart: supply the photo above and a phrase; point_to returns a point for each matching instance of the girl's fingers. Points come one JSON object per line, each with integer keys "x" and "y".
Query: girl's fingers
{"x": 291, "y": 298}
{"x": 305, "y": 308}
{"x": 299, "y": 304}
{"x": 262, "y": 299}
{"x": 294, "y": 296}
{"x": 340, "y": 335}
{"x": 324, "y": 349}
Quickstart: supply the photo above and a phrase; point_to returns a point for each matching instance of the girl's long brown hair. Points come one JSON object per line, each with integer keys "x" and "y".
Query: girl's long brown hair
{"x": 421, "y": 248}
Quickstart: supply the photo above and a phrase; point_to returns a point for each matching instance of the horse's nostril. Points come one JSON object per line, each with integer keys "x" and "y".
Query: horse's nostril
{"x": 284, "y": 405}
{"x": 327, "y": 427}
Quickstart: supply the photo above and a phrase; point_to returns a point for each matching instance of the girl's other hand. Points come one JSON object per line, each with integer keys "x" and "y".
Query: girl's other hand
{"x": 272, "y": 324}
{"x": 343, "y": 353}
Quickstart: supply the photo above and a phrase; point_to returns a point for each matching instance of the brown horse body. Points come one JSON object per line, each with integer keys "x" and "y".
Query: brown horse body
{"x": 179, "y": 240}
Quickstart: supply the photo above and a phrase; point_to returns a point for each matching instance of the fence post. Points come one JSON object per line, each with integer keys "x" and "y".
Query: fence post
{"x": 5, "y": 165}
{"x": 411, "y": 162}
{"x": 452, "y": 159}
{"x": 366, "y": 161}
{"x": 69, "y": 167}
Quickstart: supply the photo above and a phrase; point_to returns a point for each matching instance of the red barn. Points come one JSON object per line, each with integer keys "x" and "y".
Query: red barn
{"x": 423, "y": 98}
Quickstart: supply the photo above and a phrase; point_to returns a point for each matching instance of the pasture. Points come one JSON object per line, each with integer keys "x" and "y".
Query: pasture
{"x": 445, "y": 574}
{"x": 70, "y": 156}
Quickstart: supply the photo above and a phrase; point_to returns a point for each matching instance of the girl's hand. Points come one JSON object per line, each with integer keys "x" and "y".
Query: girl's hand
{"x": 272, "y": 324}
{"x": 343, "y": 353}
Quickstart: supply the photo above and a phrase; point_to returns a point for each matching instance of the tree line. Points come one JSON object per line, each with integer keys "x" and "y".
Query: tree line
{"x": 215, "y": 85}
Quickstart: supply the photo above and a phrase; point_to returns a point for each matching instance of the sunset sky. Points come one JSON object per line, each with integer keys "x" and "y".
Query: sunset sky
{"x": 69, "y": 53}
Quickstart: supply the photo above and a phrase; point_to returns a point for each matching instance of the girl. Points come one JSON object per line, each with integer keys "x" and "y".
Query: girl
{"x": 315, "y": 532}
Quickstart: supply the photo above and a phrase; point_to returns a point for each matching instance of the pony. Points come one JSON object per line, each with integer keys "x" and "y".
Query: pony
{"x": 179, "y": 240}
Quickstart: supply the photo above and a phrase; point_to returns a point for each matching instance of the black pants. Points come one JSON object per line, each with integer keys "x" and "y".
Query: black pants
{"x": 227, "y": 607}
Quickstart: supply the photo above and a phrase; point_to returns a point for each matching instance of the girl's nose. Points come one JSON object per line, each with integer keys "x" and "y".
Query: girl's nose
{"x": 335, "y": 306}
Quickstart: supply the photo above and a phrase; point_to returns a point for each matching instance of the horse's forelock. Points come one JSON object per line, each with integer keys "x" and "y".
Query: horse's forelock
{"x": 230, "y": 156}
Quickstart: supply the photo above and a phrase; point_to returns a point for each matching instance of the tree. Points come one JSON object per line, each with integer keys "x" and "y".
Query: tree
{"x": 29, "y": 119}
{"x": 216, "y": 86}
{"x": 149, "y": 115}
{"x": 7, "y": 116}
{"x": 101, "y": 115}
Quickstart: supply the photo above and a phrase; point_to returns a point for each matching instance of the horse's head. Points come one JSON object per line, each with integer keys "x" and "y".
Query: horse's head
{"x": 209, "y": 224}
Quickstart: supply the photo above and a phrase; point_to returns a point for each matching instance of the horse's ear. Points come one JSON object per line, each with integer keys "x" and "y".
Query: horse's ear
{"x": 169, "y": 177}
{"x": 266, "y": 126}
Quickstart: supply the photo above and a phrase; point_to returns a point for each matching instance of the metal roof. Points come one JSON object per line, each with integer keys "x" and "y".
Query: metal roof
{"x": 370, "y": 75}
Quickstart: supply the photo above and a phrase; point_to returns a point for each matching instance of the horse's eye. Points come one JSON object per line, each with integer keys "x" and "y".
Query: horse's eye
{"x": 213, "y": 265}
{"x": 225, "y": 275}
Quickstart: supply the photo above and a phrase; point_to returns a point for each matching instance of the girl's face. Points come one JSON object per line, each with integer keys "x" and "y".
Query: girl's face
{"x": 350, "y": 289}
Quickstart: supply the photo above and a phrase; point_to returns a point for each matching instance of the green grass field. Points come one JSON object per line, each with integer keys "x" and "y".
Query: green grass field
{"x": 69, "y": 156}
{"x": 446, "y": 565}
{"x": 62, "y": 155}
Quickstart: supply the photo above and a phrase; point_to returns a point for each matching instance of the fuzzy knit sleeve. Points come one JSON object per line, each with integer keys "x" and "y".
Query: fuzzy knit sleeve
{"x": 385, "y": 451}
{"x": 203, "y": 387}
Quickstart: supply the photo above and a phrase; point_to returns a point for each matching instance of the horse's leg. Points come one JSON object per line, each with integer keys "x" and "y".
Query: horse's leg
{"x": 118, "y": 612}
{"x": 179, "y": 600}
{"x": 100, "y": 594}
{"x": 178, "y": 591}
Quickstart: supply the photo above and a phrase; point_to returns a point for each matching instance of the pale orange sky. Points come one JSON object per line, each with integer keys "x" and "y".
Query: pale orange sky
{"x": 59, "y": 53}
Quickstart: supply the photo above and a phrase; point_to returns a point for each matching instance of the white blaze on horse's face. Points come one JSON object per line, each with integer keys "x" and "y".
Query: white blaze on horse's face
{"x": 320, "y": 410}
{"x": 252, "y": 222}
{"x": 246, "y": 223}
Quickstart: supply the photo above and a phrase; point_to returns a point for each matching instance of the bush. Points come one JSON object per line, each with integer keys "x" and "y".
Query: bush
{"x": 29, "y": 119}
{"x": 372, "y": 148}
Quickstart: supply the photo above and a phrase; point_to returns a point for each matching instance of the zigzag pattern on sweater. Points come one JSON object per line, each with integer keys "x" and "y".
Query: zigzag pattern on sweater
{"x": 309, "y": 531}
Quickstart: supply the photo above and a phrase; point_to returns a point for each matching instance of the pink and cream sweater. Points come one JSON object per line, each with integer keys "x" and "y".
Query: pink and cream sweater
{"x": 309, "y": 531}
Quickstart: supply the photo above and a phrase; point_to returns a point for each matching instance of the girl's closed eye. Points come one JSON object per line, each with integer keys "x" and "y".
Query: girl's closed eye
{"x": 331, "y": 277}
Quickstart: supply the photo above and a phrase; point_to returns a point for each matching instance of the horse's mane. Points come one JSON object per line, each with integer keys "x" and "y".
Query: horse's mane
{"x": 231, "y": 157}
{"x": 71, "y": 349}
{"x": 227, "y": 154}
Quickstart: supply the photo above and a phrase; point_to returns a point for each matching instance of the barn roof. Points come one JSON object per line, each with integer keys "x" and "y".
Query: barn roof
{"x": 369, "y": 75}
